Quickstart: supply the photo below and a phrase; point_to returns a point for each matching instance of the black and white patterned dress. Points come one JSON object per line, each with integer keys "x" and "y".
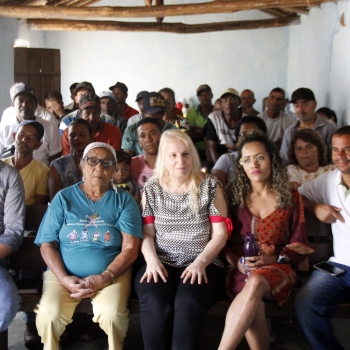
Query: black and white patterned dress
{"x": 181, "y": 234}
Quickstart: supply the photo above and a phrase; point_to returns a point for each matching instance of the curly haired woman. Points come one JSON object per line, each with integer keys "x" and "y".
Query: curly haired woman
{"x": 264, "y": 205}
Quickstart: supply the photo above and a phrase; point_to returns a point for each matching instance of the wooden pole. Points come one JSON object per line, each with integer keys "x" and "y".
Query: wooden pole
{"x": 179, "y": 28}
{"x": 154, "y": 11}
{"x": 159, "y": 3}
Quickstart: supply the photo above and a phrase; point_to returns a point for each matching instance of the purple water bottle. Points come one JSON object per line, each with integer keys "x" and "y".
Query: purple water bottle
{"x": 250, "y": 247}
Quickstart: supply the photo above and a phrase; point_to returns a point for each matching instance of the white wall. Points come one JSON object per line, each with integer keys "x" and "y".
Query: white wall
{"x": 11, "y": 29}
{"x": 8, "y": 33}
{"x": 150, "y": 61}
{"x": 319, "y": 57}
{"x": 315, "y": 54}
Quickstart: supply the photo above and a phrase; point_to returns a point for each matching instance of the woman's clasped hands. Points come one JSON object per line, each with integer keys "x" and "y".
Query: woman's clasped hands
{"x": 246, "y": 264}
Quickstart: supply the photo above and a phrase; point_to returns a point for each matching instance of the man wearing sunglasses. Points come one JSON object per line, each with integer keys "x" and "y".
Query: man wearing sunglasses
{"x": 90, "y": 110}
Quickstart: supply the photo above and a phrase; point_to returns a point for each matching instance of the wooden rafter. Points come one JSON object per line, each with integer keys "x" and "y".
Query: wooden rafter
{"x": 298, "y": 10}
{"x": 276, "y": 12}
{"x": 180, "y": 28}
{"x": 213, "y": 7}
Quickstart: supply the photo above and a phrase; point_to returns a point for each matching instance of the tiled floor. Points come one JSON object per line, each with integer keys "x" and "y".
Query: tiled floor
{"x": 287, "y": 338}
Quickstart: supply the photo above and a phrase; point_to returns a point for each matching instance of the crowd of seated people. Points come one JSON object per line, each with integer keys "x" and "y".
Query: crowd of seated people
{"x": 145, "y": 200}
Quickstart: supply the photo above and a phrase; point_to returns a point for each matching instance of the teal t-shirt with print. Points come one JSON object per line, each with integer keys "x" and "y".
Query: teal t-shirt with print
{"x": 88, "y": 243}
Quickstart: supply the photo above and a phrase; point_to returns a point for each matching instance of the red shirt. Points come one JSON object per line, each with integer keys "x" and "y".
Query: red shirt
{"x": 129, "y": 112}
{"x": 108, "y": 133}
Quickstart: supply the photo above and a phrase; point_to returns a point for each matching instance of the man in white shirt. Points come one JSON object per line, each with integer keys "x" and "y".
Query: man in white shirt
{"x": 328, "y": 198}
{"x": 9, "y": 113}
{"x": 24, "y": 103}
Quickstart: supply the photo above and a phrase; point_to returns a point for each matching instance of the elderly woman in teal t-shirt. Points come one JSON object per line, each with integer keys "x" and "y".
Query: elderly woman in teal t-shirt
{"x": 89, "y": 238}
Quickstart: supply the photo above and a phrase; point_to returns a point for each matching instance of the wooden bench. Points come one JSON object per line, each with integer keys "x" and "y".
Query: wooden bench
{"x": 29, "y": 257}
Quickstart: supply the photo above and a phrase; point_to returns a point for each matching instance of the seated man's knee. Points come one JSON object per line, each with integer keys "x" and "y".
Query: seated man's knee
{"x": 10, "y": 300}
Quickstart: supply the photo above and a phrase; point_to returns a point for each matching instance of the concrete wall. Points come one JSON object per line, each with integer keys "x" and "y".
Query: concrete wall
{"x": 150, "y": 61}
{"x": 8, "y": 33}
{"x": 11, "y": 29}
{"x": 315, "y": 54}
{"x": 319, "y": 56}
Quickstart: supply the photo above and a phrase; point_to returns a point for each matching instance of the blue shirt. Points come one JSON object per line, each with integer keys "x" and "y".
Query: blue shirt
{"x": 88, "y": 243}
{"x": 12, "y": 208}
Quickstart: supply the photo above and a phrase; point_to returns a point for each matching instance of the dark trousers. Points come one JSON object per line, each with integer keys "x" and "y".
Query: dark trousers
{"x": 173, "y": 313}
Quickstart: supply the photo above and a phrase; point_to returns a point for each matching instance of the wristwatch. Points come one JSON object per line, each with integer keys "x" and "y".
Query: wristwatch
{"x": 281, "y": 259}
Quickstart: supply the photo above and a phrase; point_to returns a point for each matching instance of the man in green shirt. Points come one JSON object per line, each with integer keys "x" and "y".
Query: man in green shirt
{"x": 154, "y": 106}
{"x": 197, "y": 118}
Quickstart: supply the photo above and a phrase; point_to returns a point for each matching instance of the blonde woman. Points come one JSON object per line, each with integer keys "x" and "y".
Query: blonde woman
{"x": 184, "y": 229}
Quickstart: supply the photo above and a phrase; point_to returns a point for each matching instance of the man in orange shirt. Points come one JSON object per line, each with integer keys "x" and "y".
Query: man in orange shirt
{"x": 120, "y": 92}
{"x": 90, "y": 110}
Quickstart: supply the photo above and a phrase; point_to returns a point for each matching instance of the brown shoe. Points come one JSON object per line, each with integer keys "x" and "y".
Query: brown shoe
{"x": 31, "y": 336}
{"x": 92, "y": 331}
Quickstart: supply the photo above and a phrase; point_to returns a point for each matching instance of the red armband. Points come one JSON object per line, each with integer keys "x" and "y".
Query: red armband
{"x": 148, "y": 220}
{"x": 227, "y": 221}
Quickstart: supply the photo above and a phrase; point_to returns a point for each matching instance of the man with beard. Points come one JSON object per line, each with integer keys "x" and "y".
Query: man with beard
{"x": 24, "y": 103}
{"x": 34, "y": 174}
{"x": 149, "y": 132}
{"x": 220, "y": 129}
{"x": 328, "y": 198}
{"x": 305, "y": 104}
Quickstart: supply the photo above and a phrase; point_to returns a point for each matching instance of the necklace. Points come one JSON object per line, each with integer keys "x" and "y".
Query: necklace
{"x": 95, "y": 215}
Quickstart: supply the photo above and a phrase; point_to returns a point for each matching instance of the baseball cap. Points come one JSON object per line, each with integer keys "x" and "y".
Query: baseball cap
{"x": 302, "y": 93}
{"x": 203, "y": 88}
{"x": 89, "y": 100}
{"x": 230, "y": 91}
{"x": 85, "y": 85}
{"x": 119, "y": 85}
{"x": 108, "y": 94}
{"x": 154, "y": 103}
{"x": 35, "y": 124}
{"x": 141, "y": 94}
{"x": 18, "y": 88}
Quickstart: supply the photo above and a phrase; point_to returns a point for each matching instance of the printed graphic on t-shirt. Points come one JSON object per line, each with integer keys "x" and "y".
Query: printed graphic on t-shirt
{"x": 93, "y": 232}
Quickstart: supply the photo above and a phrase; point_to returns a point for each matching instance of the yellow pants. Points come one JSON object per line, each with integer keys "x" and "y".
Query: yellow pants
{"x": 56, "y": 308}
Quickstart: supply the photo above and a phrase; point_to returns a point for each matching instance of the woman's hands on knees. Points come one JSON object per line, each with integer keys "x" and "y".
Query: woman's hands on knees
{"x": 154, "y": 269}
{"x": 194, "y": 272}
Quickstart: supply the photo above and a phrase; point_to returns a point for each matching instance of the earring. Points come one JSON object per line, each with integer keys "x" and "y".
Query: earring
{"x": 83, "y": 178}
{"x": 111, "y": 180}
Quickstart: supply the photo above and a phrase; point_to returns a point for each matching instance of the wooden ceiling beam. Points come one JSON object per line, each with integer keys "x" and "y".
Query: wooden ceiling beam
{"x": 179, "y": 28}
{"x": 298, "y": 10}
{"x": 276, "y": 12}
{"x": 154, "y": 11}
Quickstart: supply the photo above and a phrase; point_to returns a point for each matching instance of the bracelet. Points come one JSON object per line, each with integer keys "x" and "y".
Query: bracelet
{"x": 111, "y": 274}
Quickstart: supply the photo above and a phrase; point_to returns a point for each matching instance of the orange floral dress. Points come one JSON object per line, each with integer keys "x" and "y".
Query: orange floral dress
{"x": 281, "y": 231}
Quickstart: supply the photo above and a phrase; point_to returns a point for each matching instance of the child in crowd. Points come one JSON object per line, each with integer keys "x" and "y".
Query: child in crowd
{"x": 122, "y": 175}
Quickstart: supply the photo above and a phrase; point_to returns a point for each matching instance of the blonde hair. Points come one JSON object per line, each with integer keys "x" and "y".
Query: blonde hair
{"x": 195, "y": 177}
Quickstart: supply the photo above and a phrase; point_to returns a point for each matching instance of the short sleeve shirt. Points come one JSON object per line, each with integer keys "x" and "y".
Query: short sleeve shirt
{"x": 89, "y": 240}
